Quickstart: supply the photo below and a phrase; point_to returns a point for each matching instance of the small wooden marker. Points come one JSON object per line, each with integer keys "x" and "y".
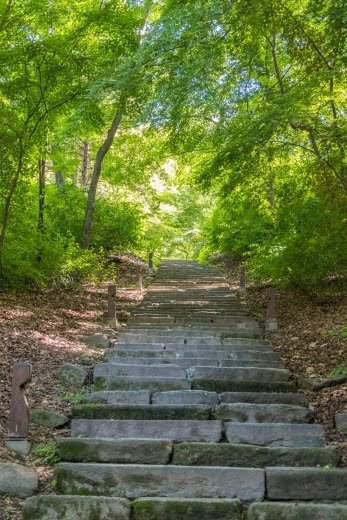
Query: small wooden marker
{"x": 242, "y": 287}
{"x": 271, "y": 319}
{"x": 139, "y": 281}
{"x": 111, "y": 310}
{"x": 19, "y": 409}
{"x": 150, "y": 260}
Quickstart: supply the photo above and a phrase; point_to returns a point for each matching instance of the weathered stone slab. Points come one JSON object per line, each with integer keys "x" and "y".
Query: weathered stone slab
{"x": 158, "y": 384}
{"x": 341, "y": 422}
{"x": 263, "y": 413}
{"x": 143, "y": 411}
{"x": 72, "y": 375}
{"x": 178, "y": 362}
{"x": 176, "y": 430}
{"x": 133, "y": 481}
{"x": 128, "y": 351}
{"x": 120, "y": 451}
{"x": 17, "y": 480}
{"x": 114, "y": 370}
{"x": 47, "y": 418}
{"x": 187, "y": 508}
{"x": 252, "y": 363}
{"x": 268, "y": 375}
{"x": 296, "y": 511}
{"x": 216, "y": 354}
{"x": 248, "y": 456}
{"x": 224, "y": 385}
{"x": 118, "y": 397}
{"x": 182, "y": 397}
{"x": 286, "y": 435}
{"x": 53, "y": 507}
{"x": 306, "y": 483}
{"x": 261, "y": 355}
{"x": 264, "y": 398}
{"x": 97, "y": 341}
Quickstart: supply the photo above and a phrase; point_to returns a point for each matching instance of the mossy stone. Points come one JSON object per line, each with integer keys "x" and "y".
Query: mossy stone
{"x": 189, "y": 509}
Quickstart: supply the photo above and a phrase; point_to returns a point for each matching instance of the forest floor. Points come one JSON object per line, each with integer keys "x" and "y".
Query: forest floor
{"x": 45, "y": 328}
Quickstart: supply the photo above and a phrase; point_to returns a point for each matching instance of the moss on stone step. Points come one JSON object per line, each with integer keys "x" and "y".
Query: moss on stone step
{"x": 189, "y": 509}
{"x": 202, "y": 454}
{"x": 142, "y": 412}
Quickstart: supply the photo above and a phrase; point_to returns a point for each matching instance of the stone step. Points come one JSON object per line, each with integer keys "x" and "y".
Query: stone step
{"x": 119, "y": 451}
{"x": 168, "y": 340}
{"x": 145, "y": 412}
{"x": 183, "y": 363}
{"x": 175, "y": 430}
{"x": 263, "y": 413}
{"x": 264, "y": 398}
{"x": 241, "y": 355}
{"x": 224, "y": 385}
{"x": 244, "y": 355}
{"x": 275, "y": 434}
{"x": 107, "y": 370}
{"x": 118, "y": 397}
{"x": 306, "y": 483}
{"x": 161, "y": 508}
{"x": 68, "y": 507}
{"x": 190, "y": 350}
{"x": 183, "y": 397}
{"x": 251, "y": 363}
{"x": 158, "y": 384}
{"x": 248, "y": 456}
{"x": 269, "y": 375}
{"x": 147, "y": 350}
{"x": 296, "y": 511}
{"x": 134, "y": 481}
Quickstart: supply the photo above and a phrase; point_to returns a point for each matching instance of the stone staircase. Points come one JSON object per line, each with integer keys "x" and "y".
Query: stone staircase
{"x": 193, "y": 416}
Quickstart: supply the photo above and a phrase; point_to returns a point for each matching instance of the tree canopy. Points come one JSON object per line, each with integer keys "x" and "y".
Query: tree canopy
{"x": 173, "y": 128}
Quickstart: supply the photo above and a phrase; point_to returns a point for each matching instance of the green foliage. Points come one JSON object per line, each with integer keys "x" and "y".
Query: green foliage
{"x": 338, "y": 371}
{"x": 73, "y": 398}
{"x": 46, "y": 453}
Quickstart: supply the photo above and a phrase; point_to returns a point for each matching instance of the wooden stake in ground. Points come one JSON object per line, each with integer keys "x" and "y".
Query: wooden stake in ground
{"x": 19, "y": 410}
{"x": 242, "y": 287}
{"x": 139, "y": 281}
{"x": 111, "y": 311}
{"x": 271, "y": 319}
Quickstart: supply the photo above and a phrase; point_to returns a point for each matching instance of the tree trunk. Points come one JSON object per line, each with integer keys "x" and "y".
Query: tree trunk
{"x": 85, "y": 164}
{"x": 41, "y": 214}
{"x": 59, "y": 179}
{"x": 42, "y": 189}
{"x": 150, "y": 260}
{"x": 8, "y": 200}
{"x": 100, "y": 156}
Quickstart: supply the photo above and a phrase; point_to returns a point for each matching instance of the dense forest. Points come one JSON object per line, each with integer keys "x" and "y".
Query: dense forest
{"x": 173, "y": 128}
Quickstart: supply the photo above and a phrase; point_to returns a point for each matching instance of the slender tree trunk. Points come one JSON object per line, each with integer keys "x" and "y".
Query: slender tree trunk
{"x": 59, "y": 179}
{"x": 100, "y": 156}
{"x": 41, "y": 213}
{"x": 150, "y": 260}
{"x": 8, "y": 200}
{"x": 85, "y": 164}
{"x": 42, "y": 190}
{"x": 104, "y": 148}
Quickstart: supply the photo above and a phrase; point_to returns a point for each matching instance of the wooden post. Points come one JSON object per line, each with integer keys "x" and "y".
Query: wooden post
{"x": 271, "y": 320}
{"x": 139, "y": 280}
{"x": 111, "y": 311}
{"x": 19, "y": 408}
{"x": 242, "y": 287}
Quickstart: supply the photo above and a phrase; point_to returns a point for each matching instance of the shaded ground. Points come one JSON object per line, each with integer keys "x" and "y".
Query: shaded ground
{"x": 44, "y": 330}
